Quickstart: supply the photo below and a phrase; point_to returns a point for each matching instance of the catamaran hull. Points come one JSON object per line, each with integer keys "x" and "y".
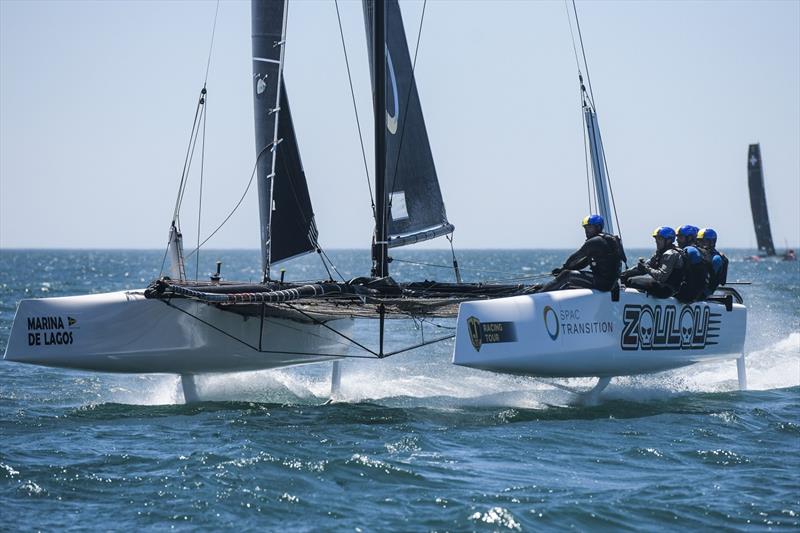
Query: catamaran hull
{"x": 581, "y": 333}
{"x": 126, "y": 332}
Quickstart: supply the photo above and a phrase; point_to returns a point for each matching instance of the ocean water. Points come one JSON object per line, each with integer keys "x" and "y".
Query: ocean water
{"x": 415, "y": 444}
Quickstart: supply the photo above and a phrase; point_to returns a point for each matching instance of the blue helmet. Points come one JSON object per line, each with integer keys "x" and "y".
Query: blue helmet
{"x": 664, "y": 232}
{"x": 593, "y": 220}
{"x": 687, "y": 231}
{"x": 693, "y": 254}
{"x": 707, "y": 234}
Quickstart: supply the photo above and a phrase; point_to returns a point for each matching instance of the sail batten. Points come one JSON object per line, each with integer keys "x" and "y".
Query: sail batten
{"x": 758, "y": 200}
{"x": 415, "y": 203}
{"x": 287, "y": 218}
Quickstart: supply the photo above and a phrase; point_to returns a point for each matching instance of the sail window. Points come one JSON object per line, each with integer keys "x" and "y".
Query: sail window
{"x": 398, "y": 203}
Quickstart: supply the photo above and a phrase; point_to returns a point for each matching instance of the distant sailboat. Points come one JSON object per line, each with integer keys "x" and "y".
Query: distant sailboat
{"x": 758, "y": 200}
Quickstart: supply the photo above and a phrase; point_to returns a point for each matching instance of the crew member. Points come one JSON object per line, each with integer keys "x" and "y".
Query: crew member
{"x": 686, "y": 236}
{"x": 661, "y": 275}
{"x": 602, "y": 253}
{"x": 695, "y": 269}
{"x": 718, "y": 263}
{"x": 695, "y": 276}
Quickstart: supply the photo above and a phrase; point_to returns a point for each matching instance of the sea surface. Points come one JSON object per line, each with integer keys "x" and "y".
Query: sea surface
{"x": 415, "y": 443}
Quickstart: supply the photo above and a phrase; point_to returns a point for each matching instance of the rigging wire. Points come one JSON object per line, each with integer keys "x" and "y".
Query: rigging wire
{"x": 198, "y": 114}
{"x": 211, "y": 46}
{"x": 583, "y": 53}
{"x": 200, "y": 199}
{"x": 187, "y": 163}
{"x": 355, "y": 109}
{"x": 244, "y": 194}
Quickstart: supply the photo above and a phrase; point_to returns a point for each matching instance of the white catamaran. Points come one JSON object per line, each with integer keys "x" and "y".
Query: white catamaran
{"x": 188, "y": 327}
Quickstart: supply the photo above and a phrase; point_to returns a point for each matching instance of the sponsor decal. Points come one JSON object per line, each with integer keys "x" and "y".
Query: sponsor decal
{"x": 551, "y": 322}
{"x": 50, "y": 330}
{"x": 669, "y": 327}
{"x": 570, "y": 322}
{"x": 481, "y": 333}
{"x": 391, "y": 119}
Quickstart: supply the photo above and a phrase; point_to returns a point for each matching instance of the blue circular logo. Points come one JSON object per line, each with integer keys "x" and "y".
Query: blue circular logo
{"x": 551, "y": 322}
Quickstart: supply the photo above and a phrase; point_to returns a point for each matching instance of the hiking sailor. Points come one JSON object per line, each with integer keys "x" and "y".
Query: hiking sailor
{"x": 718, "y": 263}
{"x": 661, "y": 275}
{"x": 602, "y": 253}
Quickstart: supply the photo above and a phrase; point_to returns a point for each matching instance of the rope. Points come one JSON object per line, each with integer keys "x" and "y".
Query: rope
{"x": 355, "y": 109}
{"x": 244, "y": 194}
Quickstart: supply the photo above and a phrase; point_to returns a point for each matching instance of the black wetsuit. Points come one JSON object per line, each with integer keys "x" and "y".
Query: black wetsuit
{"x": 717, "y": 264}
{"x": 603, "y": 254}
{"x": 660, "y": 276}
{"x": 695, "y": 277}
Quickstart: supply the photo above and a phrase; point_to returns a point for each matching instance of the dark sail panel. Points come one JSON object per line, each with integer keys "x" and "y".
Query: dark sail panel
{"x": 294, "y": 231}
{"x": 416, "y": 210}
{"x": 758, "y": 200}
{"x": 287, "y": 220}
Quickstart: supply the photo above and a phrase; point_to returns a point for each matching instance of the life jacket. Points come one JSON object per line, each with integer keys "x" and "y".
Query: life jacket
{"x": 607, "y": 267}
{"x": 717, "y": 278}
{"x": 695, "y": 275}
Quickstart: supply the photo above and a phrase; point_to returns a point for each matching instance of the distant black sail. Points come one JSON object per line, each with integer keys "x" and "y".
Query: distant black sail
{"x": 417, "y": 210}
{"x": 287, "y": 218}
{"x": 758, "y": 200}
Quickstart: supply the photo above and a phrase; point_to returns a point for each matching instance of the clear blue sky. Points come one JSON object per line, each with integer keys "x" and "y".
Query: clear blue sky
{"x": 97, "y": 98}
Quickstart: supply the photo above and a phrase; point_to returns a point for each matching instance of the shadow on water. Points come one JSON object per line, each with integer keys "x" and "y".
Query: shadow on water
{"x": 449, "y": 411}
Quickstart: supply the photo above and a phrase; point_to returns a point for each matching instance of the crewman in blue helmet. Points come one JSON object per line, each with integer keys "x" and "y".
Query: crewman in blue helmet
{"x": 602, "y": 253}
{"x": 718, "y": 263}
{"x": 686, "y": 235}
{"x": 662, "y": 274}
{"x": 695, "y": 268}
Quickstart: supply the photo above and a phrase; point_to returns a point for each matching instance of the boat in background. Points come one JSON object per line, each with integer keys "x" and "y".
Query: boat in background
{"x": 758, "y": 200}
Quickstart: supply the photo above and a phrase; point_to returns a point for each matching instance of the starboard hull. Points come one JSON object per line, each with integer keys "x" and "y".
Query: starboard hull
{"x": 582, "y": 333}
{"x": 126, "y": 332}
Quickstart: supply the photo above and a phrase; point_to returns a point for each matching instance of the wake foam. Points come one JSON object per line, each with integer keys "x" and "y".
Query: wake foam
{"x": 420, "y": 383}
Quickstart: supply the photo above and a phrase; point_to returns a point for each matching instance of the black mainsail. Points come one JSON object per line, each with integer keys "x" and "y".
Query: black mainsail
{"x": 287, "y": 218}
{"x": 416, "y": 210}
{"x": 758, "y": 200}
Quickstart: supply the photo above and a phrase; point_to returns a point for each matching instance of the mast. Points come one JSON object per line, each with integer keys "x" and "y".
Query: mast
{"x": 380, "y": 246}
{"x": 268, "y": 37}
